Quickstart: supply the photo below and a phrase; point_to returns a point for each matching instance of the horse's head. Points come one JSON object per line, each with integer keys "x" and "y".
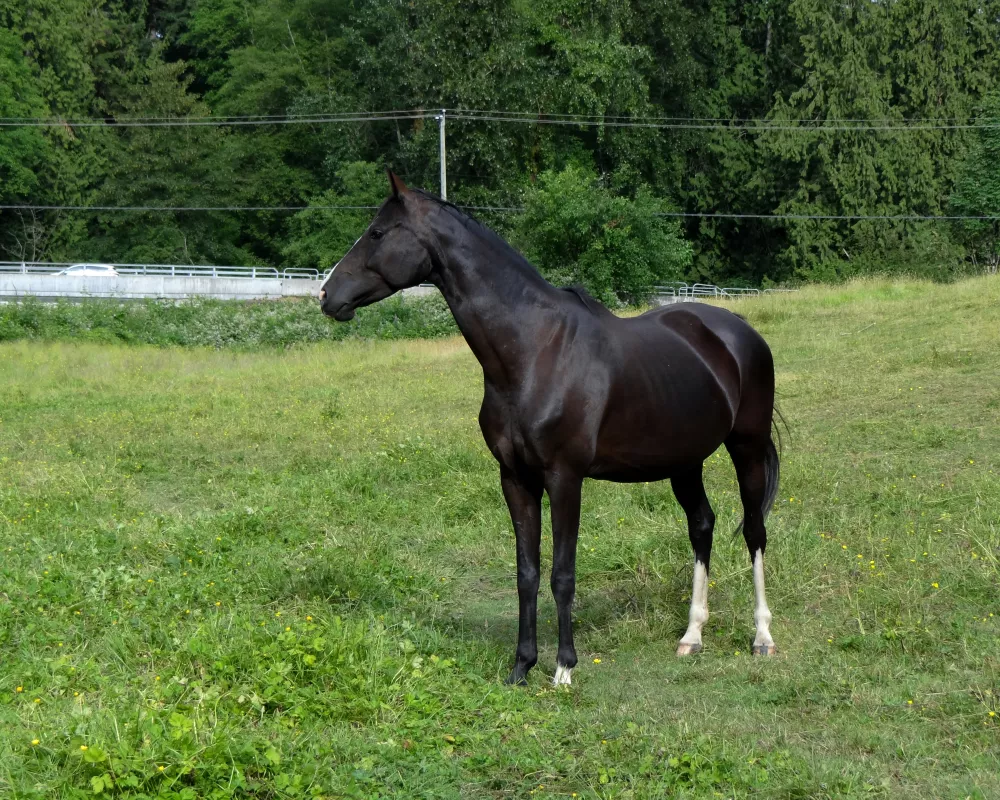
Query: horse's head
{"x": 391, "y": 254}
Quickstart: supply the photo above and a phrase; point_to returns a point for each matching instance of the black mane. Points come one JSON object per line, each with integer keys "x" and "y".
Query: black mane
{"x": 590, "y": 302}
{"x": 473, "y": 224}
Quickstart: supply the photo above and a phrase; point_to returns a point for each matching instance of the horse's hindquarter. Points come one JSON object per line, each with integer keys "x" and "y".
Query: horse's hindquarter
{"x": 673, "y": 400}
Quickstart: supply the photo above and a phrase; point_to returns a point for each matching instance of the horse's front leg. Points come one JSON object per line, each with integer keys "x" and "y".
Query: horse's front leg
{"x": 564, "y": 496}
{"x": 524, "y": 500}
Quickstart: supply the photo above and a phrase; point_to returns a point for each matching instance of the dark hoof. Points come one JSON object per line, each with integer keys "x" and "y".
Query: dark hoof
{"x": 688, "y": 649}
{"x": 765, "y": 650}
{"x": 514, "y": 679}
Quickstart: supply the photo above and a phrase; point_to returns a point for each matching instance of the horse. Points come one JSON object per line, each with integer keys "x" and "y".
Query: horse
{"x": 572, "y": 391}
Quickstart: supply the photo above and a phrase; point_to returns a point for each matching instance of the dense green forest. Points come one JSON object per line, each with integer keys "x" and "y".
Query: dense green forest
{"x": 746, "y": 83}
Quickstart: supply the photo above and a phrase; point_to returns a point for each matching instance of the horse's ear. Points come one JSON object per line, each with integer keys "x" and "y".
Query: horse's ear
{"x": 398, "y": 187}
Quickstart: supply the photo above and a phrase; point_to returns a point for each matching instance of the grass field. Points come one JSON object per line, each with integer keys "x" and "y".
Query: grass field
{"x": 290, "y": 573}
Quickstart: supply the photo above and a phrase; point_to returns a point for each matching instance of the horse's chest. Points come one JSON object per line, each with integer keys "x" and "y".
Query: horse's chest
{"x": 506, "y": 434}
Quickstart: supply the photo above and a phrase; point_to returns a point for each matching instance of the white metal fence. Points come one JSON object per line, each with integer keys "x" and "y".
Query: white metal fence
{"x": 681, "y": 289}
{"x": 678, "y": 290}
{"x": 173, "y": 270}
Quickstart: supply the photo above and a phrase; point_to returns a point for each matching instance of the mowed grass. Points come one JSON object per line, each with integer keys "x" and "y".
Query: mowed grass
{"x": 283, "y": 574}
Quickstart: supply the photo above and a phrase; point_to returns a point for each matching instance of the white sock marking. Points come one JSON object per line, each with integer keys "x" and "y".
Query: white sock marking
{"x": 761, "y": 614}
{"x": 563, "y": 676}
{"x": 698, "y": 615}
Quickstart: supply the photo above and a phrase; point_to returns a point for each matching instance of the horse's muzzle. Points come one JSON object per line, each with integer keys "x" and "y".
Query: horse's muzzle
{"x": 341, "y": 312}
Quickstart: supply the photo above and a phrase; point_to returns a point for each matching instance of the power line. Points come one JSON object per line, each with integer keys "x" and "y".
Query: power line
{"x": 520, "y": 209}
{"x": 186, "y": 208}
{"x": 844, "y": 217}
{"x": 760, "y": 126}
{"x": 478, "y": 113}
{"x": 111, "y": 120}
{"x": 177, "y": 209}
{"x": 577, "y": 120}
{"x": 746, "y": 120}
{"x": 195, "y": 122}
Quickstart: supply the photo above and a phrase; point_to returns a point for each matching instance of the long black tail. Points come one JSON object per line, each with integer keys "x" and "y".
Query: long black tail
{"x": 772, "y": 465}
{"x": 772, "y": 459}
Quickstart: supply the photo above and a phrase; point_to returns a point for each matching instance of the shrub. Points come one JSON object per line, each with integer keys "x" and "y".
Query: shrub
{"x": 576, "y": 232}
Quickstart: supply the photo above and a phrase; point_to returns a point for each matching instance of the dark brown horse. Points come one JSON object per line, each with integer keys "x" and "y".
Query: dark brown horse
{"x": 574, "y": 392}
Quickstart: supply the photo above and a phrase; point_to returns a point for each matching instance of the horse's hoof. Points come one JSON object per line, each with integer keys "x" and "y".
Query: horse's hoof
{"x": 563, "y": 676}
{"x": 688, "y": 649}
{"x": 516, "y": 679}
{"x": 765, "y": 650}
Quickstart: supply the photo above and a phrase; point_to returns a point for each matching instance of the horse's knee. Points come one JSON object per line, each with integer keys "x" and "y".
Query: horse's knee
{"x": 563, "y": 586}
{"x": 527, "y": 579}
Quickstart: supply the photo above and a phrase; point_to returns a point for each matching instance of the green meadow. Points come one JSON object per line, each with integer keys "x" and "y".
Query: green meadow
{"x": 263, "y": 571}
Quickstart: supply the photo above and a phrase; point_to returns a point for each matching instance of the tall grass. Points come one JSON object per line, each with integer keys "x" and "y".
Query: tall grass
{"x": 216, "y": 323}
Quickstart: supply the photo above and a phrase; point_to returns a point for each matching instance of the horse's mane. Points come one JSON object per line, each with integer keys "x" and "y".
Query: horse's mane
{"x": 470, "y": 222}
{"x": 590, "y": 302}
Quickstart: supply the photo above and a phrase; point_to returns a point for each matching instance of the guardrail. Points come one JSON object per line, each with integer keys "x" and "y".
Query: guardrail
{"x": 173, "y": 270}
{"x": 682, "y": 290}
{"x": 678, "y": 290}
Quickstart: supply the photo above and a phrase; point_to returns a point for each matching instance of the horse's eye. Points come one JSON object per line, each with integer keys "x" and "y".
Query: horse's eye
{"x": 376, "y": 234}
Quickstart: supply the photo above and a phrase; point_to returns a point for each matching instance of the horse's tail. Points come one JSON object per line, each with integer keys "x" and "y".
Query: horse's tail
{"x": 772, "y": 459}
{"x": 772, "y": 465}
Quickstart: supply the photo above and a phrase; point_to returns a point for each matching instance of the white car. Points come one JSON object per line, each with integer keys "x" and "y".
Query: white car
{"x": 90, "y": 271}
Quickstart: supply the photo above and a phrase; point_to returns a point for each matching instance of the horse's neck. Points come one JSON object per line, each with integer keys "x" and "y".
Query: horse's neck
{"x": 498, "y": 300}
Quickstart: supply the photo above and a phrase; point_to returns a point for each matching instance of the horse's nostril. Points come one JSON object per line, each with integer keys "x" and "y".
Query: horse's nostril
{"x": 322, "y": 294}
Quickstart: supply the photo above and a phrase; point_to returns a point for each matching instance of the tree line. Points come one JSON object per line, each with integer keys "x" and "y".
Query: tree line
{"x": 824, "y": 114}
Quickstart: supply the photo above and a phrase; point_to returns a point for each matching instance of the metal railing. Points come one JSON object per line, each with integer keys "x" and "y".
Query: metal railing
{"x": 172, "y": 270}
{"x": 678, "y": 289}
{"x": 681, "y": 289}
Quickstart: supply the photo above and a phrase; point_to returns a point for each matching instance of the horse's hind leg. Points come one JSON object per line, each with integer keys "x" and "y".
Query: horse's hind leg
{"x": 690, "y": 492}
{"x": 756, "y": 462}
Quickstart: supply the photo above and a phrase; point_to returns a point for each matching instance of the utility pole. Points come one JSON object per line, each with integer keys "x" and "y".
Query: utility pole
{"x": 444, "y": 160}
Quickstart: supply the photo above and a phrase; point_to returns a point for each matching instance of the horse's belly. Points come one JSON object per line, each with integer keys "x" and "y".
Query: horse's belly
{"x": 644, "y": 440}
{"x": 618, "y": 474}
{"x": 655, "y": 458}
